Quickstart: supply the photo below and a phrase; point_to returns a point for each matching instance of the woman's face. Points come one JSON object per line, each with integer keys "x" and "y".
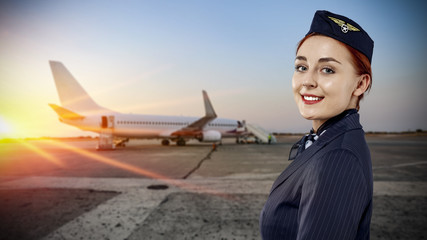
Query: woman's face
{"x": 324, "y": 80}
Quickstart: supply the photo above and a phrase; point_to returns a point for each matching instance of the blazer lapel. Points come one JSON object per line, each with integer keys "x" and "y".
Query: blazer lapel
{"x": 299, "y": 161}
{"x": 349, "y": 123}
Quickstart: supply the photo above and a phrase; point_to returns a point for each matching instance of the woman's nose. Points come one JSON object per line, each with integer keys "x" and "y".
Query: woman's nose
{"x": 309, "y": 81}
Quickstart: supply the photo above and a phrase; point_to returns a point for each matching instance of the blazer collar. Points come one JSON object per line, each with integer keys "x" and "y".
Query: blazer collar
{"x": 348, "y": 123}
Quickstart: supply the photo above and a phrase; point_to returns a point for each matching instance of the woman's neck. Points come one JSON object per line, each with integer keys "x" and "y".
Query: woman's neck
{"x": 317, "y": 123}
{"x": 326, "y": 123}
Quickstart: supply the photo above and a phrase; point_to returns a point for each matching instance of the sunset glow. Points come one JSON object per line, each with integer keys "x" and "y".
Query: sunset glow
{"x": 5, "y": 128}
{"x": 163, "y": 55}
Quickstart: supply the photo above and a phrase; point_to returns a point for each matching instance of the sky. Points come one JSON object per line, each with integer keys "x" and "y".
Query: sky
{"x": 156, "y": 57}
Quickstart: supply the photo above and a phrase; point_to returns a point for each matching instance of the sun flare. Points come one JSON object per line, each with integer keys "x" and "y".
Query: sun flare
{"x": 6, "y": 129}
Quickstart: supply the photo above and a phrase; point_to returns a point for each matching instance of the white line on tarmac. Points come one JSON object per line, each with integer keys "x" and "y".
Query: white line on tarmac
{"x": 118, "y": 217}
{"x": 400, "y": 165}
{"x": 226, "y": 185}
{"x": 115, "y": 219}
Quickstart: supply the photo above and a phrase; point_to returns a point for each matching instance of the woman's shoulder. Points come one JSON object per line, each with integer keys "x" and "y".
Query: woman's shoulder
{"x": 347, "y": 152}
{"x": 335, "y": 161}
{"x": 351, "y": 142}
{"x": 355, "y": 142}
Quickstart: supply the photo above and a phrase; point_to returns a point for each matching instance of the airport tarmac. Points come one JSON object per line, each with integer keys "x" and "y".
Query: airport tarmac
{"x": 68, "y": 190}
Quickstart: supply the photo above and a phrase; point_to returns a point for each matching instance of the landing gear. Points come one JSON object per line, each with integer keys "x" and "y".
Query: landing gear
{"x": 165, "y": 142}
{"x": 180, "y": 142}
{"x": 122, "y": 142}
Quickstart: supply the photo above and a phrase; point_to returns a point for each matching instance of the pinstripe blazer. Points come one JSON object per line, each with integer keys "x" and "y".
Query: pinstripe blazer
{"x": 326, "y": 192}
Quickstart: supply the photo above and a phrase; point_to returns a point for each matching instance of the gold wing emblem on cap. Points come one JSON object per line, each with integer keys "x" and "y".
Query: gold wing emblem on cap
{"x": 345, "y": 27}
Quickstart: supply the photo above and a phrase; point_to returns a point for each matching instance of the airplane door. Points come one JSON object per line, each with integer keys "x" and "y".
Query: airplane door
{"x": 107, "y": 122}
{"x": 104, "y": 122}
{"x": 105, "y": 141}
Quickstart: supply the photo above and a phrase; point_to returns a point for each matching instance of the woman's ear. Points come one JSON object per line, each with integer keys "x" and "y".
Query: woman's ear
{"x": 362, "y": 85}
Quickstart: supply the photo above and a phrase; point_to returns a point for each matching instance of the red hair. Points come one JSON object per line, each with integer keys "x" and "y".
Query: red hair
{"x": 360, "y": 61}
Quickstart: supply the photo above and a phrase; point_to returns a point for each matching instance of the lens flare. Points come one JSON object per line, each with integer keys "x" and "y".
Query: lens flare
{"x": 143, "y": 172}
{"x": 41, "y": 152}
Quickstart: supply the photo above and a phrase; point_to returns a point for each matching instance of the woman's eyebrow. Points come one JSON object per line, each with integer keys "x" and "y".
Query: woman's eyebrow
{"x": 329, "y": 59}
{"x": 301, "y": 58}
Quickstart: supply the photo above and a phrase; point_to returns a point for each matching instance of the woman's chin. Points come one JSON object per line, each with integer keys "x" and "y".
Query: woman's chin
{"x": 309, "y": 115}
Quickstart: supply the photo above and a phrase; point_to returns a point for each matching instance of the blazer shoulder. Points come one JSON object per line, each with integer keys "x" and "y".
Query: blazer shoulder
{"x": 349, "y": 148}
{"x": 355, "y": 142}
{"x": 337, "y": 161}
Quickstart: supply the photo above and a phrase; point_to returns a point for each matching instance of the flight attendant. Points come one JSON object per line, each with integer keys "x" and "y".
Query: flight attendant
{"x": 326, "y": 192}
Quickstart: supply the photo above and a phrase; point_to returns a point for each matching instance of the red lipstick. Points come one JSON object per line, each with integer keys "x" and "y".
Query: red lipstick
{"x": 311, "y": 99}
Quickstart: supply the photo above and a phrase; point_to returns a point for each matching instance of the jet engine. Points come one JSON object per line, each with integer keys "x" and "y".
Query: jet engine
{"x": 209, "y": 136}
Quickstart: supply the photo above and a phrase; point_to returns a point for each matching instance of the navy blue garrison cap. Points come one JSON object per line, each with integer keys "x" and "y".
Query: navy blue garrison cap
{"x": 344, "y": 30}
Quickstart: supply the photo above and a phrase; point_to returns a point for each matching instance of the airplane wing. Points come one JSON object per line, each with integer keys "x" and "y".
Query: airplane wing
{"x": 198, "y": 125}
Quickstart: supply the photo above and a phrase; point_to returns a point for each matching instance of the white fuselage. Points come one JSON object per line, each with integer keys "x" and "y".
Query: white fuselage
{"x": 150, "y": 126}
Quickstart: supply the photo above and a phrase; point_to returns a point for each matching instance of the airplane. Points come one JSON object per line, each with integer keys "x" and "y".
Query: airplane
{"x": 80, "y": 110}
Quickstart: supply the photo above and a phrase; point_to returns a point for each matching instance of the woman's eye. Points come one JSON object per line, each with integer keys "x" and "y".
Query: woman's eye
{"x": 300, "y": 68}
{"x": 328, "y": 70}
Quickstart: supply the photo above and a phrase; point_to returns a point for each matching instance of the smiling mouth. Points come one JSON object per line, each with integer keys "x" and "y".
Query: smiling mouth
{"x": 309, "y": 99}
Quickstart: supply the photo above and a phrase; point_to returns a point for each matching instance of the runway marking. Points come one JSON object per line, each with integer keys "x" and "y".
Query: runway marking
{"x": 114, "y": 219}
{"x": 400, "y": 165}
